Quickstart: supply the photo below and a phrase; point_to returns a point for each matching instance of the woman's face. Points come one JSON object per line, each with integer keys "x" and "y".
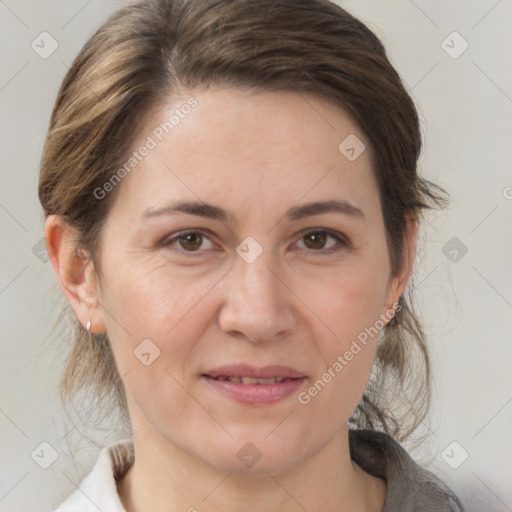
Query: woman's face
{"x": 246, "y": 243}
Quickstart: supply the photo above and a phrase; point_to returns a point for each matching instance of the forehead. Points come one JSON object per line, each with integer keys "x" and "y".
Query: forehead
{"x": 239, "y": 146}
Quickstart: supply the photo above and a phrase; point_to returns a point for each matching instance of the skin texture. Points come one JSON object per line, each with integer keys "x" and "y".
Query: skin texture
{"x": 256, "y": 155}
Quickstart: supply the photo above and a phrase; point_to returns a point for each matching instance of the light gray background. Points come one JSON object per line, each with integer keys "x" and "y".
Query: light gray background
{"x": 465, "y": 104}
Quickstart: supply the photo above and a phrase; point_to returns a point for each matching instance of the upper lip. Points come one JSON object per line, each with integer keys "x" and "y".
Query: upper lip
{"x": 265, "y": 372}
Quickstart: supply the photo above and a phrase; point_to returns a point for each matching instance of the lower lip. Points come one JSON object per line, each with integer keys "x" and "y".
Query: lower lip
{"x": 256, "y": 393}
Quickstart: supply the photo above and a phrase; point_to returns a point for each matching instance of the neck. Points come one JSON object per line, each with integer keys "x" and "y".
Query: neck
{"x": 166, "y": 478}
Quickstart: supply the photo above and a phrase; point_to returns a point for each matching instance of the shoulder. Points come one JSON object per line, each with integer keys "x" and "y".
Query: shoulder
{"x": 98, "y": 490}
{"x": 410, "y": 488}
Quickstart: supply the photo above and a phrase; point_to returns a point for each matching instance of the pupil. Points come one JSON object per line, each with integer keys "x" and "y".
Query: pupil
{"x": 317, "y": 239}
{"x": 191, "y": 241}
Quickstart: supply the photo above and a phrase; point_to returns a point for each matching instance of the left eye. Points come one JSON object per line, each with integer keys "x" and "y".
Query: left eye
{"x": 319, "y": 241}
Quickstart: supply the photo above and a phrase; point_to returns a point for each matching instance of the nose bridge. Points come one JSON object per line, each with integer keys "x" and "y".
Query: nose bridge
{"x": 256, "y": 279}
{"x": 252, "y": 265}
{"x": 256, "y": 302}
{"x": 255, "y": 284}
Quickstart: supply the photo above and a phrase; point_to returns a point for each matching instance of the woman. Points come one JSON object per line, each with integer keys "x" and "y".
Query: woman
{"x": 232, "y": 204}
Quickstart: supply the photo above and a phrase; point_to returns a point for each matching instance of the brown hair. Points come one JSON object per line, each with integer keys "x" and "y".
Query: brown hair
{"x": 151, "y": 50}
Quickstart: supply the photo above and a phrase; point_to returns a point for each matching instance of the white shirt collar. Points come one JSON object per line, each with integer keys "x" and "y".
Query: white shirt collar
{"x": 98, "y": 490}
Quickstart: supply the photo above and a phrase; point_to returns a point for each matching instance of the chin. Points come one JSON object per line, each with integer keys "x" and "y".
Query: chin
{"x": 255, "y": 463}
{"x": 251, "y": 453}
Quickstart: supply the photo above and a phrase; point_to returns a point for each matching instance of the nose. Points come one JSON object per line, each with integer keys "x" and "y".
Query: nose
{"x": 256, "y": 304}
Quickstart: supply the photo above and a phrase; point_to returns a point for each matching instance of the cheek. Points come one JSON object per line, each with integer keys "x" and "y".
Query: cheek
{"x": 155, "y": 302}
{"x": 157, "y": 376}
{"x": 347, "y": 301}
{"x": 168, "y": 308}
{"x": 347, "y": 355}
{"x": 346, "y": 334}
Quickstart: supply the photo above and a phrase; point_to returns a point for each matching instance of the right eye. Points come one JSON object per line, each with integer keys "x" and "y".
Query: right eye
{"x": 189, "y": 241}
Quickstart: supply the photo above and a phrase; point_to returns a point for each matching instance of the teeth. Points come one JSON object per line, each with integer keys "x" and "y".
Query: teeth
{"x": 252, "y": 380}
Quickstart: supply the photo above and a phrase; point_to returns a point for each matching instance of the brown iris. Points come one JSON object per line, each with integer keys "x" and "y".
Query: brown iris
{"x": 191, "y": 241}
{"x": 315, "y": 240}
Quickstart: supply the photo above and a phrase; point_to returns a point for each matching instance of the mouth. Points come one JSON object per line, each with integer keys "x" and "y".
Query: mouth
{"x": 251, "y": 385}
{"x": 250, "y": 380}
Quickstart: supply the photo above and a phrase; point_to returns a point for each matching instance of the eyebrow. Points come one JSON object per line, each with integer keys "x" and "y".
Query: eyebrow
{"x": 295, "y": 213}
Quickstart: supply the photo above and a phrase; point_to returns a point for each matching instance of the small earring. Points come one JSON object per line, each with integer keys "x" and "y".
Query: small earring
{"x": 88, "y": 326}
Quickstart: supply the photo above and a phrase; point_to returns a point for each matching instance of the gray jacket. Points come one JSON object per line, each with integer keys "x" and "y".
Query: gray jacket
{"x": 410, "y": 488}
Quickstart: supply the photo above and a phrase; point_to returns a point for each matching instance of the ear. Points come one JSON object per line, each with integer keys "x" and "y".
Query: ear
{"x": 75, "y": 273}
{"x": 398, "y": 283}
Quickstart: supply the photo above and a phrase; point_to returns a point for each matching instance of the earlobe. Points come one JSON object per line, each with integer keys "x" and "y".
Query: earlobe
{"x": 75, "y": 272}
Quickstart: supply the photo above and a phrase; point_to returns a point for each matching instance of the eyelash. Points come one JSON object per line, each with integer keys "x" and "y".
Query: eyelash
{"x": 342, "y": 241}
